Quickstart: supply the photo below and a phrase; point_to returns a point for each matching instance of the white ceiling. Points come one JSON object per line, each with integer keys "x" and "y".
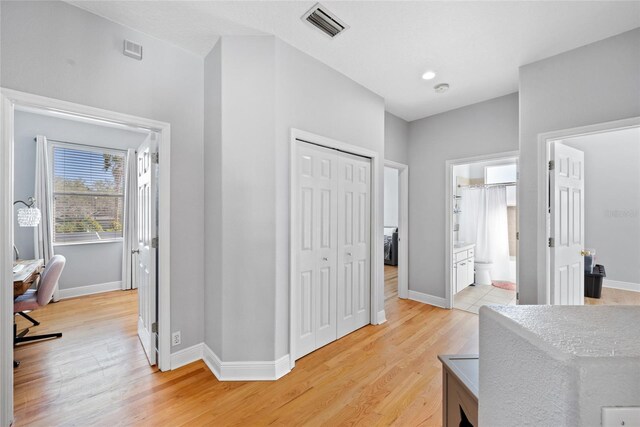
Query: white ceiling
{"x": 476, "y": 47}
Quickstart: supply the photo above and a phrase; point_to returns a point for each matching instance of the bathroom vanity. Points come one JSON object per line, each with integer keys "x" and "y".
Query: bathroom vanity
{"x": 463, "y": 266}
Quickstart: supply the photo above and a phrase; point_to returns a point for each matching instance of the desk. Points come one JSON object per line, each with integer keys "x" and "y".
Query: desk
{"x": 23, "y": 279}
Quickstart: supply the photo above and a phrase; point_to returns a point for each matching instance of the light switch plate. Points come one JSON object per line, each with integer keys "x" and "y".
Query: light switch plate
{"x": 616, "y": 416}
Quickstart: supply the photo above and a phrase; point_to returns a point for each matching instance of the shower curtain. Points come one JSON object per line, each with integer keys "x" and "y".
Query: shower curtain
{"x": 483, "y": 221}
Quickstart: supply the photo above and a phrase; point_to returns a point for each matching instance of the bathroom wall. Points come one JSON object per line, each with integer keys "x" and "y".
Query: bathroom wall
{"x": 612, "y": 202}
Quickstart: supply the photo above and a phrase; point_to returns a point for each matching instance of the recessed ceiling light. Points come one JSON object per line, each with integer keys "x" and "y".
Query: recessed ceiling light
{"x": 429, "y": 75}
{"x": 441, "y": 88}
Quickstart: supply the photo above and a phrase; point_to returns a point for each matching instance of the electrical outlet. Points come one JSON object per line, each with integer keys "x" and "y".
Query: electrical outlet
{"x": 175, "y": 338}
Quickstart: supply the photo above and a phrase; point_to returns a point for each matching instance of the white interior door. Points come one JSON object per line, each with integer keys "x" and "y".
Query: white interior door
{"x": 315, "y": 308}
{"x": 146, "y": 259}
{"x": 567, "y": 225}
{"x": 354, "y": 234}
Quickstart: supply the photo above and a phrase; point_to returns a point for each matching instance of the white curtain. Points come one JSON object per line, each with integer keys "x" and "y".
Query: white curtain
{"x": 483, "y": 221}
{"x": 43, "y": 233}
{"x": 130, "y": 211}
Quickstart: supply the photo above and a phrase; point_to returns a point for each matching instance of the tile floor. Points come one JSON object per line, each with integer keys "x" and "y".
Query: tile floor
{"x": 472, "y": 298}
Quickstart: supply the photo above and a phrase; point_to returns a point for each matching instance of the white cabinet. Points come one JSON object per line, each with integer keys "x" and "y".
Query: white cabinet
{"x": 463, "y": 267}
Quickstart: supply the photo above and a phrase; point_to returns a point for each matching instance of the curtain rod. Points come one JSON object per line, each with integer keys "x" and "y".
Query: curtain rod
{"x": 85, "y": 145}
{"x": 502, "y": 184}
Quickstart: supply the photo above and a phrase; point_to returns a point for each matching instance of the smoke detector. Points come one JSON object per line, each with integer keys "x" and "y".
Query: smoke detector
{"x": 441, "y": 88}
{"x": 321, "y": 18}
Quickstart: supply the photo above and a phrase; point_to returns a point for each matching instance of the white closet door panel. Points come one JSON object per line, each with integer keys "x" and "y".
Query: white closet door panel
{"x": 316, "y": 248}
{"x": 354, "y": 225}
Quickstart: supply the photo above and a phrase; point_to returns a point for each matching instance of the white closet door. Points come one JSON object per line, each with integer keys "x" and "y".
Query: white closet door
{"x": 316, "y": 246}
{"x": 354, "y": 217}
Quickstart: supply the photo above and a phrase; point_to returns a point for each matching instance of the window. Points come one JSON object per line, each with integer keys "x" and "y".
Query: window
{"x": 500, "y": 174}
{"x": 88, "y": 193}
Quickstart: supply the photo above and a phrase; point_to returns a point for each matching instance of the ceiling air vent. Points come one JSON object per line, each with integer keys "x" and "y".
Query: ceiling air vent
{"x": 133, "y": 50}
{"x": 321, "y": 18}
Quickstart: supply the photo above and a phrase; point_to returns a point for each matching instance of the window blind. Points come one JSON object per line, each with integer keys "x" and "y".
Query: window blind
{"x": 88, "y": 193}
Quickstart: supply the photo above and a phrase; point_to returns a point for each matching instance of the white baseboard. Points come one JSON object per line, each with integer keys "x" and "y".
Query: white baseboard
{"x": 428, "y": 299}
{"x": 245, "y": 371}
{"x": 90, "y": 289}
{"x": 186, "y": 356}
{"x": 381, "y": 317}
{"x": 627, "y": 286}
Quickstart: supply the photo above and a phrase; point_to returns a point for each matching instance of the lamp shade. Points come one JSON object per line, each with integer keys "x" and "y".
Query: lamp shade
{"x": 28, "y": 217}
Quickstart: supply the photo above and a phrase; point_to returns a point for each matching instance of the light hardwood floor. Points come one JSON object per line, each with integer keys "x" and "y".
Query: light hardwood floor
{"x": 97, "y": 374}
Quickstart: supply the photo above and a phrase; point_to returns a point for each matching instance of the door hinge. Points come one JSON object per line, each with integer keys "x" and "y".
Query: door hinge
{"x": 154, "y": 327}
{"x": 517, "y": 296}
{"x": 517, "y": 235}
{"x": 154, "y": 243}
{"x": 551, "y": 165}
{"x": 551, "y": 242}
{"x": 155, "y": 157}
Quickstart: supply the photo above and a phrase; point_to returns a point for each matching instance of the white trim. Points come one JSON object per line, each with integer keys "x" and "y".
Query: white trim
{"x": 6, "y": 262}
{"x": 449, "y": 235}
{"x": 12, "y": 100}
{"x": 428, "y": 299}
{"x": 616, "y": 284}
{"x": 544, "y": 220}
{"x": 186, "y": 356}
{"x": 245, "y": 371}
{"x": 98, "y": 288}
{"x": 403, "y": 226}
{"x": 377, "y": 227}
{"x": 382, "y": 317}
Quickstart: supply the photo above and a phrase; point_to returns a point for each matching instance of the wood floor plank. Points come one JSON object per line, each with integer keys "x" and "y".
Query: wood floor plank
{"x": 97, "y": 374}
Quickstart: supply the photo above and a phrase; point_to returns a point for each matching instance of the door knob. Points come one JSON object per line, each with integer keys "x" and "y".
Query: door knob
{"x": 135, "y": 251}
{"x": 324, "y": 258}
{"x": 349, "y": 253}
{"x": 585, "y": 253}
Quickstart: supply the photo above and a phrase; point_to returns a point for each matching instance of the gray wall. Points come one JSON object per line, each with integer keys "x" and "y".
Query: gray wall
{"x": 249, "y": 231}
{"x": 60, "y": 51}
{"x": 612, "y": 200}
{"x": 593, "y": 84}
{"x": 213, "y": 229}
{"x": 396, "y": 139}
{"x": 87, "y": 264}
{"x": 483, "y": 128}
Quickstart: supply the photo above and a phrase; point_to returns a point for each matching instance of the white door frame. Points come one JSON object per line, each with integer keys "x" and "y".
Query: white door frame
{"x": 10, "y": 101}
{"x": 449, "y": 235}
{"x": 544, "y": 219}
{"x": 377, "y": 260}
{"x": 403, "y": 226}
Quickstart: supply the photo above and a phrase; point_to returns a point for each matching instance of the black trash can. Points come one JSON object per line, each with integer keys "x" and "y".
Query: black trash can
{"x": 593, "y": 282}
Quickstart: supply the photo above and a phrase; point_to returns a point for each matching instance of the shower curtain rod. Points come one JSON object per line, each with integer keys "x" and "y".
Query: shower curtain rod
{"x": 502, "y": 184}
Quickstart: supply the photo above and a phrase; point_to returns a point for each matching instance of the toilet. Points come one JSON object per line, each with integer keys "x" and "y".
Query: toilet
{"x": 483, "y": 273}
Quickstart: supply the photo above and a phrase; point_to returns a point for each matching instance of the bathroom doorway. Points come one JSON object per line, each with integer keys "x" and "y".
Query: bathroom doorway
{"x": 482, "y": 231}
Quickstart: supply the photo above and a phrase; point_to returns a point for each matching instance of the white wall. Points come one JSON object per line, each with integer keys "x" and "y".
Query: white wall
{"x": 390, "y": 198}
{"x": 60, "y": 51}
{"x": 81, "y": 268}
{"x": 612, "y": 200}
{"x": 593, "y": 84}
{"x": 483, "y": 128}
{"x": 396, "y": 138}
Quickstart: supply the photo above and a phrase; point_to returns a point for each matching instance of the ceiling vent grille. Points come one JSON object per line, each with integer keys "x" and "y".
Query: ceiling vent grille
{"x": 321, "y": 18}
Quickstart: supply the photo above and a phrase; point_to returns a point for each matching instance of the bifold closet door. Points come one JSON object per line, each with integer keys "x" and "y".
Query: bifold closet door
{"x": 354, "y": 234}
{"x": 317, "y": 231}
{"x": 332, "y": 245}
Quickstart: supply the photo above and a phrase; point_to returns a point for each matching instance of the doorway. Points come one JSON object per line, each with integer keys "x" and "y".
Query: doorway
{"x": 482, "y": 231}
{"x": 103, "y": 216}
{"x": 396, "y": 224}
{"x": 592, "y": 214}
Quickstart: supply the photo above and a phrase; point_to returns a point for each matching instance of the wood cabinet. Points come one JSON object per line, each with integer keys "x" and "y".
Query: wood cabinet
{"x": 460, "y": 380}
{"x": 463, "y": 267}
